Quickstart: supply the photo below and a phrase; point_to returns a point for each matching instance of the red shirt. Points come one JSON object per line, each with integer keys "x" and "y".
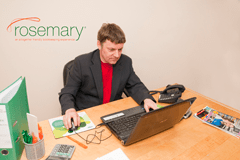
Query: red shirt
{"x": 107, "y": 71}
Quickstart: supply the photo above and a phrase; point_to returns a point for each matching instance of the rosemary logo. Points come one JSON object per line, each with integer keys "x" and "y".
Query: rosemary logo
{"x": 43, "y": 33}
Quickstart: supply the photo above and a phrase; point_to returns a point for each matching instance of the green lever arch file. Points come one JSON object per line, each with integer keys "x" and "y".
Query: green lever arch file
{"x": 13, "y": 119}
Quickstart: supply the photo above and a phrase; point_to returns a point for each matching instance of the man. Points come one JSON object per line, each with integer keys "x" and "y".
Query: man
{"x": 101, "y": 76}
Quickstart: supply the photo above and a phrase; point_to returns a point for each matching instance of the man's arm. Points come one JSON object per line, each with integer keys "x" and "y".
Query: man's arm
{"x": 138, "y": 91}
{"x": 68, "y": 95}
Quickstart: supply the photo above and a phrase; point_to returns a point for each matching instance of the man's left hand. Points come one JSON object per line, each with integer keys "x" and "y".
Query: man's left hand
{"x": 148, "y": 103}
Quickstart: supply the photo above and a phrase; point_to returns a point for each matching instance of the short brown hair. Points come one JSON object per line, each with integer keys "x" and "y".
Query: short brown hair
{"x": 112, "y": 32}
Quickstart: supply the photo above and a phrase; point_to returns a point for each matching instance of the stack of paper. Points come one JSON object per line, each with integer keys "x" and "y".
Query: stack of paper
{"x": 117, "y": 154}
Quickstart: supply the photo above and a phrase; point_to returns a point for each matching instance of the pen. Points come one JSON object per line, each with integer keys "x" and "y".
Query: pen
{"x": 79, "y": 143}
{"x": 24, "y": 133}
{"x": 40, "y": 132}
{"x": 200, "y": 112}
{"x": 26, "y": 137}
{"x": 34, "y": 138}
{"x": 29, "y": 139}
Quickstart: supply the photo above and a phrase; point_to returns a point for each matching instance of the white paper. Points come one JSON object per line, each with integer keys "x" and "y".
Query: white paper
{"x": 33, "y": 125}
{"x": 117, "y": 154}
{"x": 5, "y": 139}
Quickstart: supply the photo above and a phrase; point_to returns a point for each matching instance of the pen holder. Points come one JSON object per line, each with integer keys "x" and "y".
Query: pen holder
{"x": 35, "y": 151}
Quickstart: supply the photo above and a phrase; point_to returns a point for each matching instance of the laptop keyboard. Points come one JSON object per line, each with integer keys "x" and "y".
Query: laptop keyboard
{"x": 124, "y": 126}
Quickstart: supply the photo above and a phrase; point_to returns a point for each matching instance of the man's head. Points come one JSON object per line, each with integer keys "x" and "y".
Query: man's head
{"x": 111, "y": 32}
{"x": 110, "y": 42}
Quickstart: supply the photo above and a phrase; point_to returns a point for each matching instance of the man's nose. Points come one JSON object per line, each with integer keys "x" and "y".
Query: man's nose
{"x": 117, "y": 53}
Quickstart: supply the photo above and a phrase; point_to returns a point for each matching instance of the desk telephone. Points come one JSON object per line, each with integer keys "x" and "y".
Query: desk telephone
{"x": 171, "y": 94}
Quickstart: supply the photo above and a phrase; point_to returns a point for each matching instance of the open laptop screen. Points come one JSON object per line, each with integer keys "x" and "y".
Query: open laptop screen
{"x": 159, "y": 120}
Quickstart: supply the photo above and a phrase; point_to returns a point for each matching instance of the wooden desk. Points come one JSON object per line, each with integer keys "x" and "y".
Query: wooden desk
{"x": 189, "y": 139}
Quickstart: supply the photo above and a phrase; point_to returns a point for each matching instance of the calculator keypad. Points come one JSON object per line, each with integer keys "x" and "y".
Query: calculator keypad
{"x": 63, "y": 150}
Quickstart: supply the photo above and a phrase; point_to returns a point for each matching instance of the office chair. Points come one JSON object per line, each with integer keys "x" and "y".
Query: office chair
{"x": 66, "y": 70}
{"x": 68, "y": 67}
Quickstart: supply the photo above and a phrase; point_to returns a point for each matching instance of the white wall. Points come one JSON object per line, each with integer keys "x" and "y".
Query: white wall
{"x": 195, "y": 43}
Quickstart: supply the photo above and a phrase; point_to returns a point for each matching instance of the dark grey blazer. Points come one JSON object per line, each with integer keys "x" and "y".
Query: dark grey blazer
{"x": 84, "y": 88}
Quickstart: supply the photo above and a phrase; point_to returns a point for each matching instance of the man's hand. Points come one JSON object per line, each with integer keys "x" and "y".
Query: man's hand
{"x": 148, "y": 103}
{"x": 71, "y": 113}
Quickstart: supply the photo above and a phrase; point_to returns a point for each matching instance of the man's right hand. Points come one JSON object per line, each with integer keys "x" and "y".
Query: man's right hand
{"x": 71, "y": 113}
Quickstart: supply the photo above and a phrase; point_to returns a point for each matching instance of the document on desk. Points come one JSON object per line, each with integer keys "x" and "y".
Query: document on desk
{"x": 117, "y": 154}
{"x": 59, "y": 129}
{"x": 219, "y": 120}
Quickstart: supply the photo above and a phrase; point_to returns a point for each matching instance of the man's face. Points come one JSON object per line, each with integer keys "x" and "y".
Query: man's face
{"x": 110, "y": 52}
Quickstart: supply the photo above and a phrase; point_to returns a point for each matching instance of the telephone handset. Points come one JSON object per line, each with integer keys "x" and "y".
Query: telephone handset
{"x": 171, "y": 93}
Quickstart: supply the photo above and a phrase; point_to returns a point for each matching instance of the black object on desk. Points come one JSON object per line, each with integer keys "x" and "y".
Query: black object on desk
{"x": 73, "y": 127}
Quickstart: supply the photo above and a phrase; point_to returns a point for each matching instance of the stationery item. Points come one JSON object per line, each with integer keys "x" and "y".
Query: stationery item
{"x": 134, "y": 124}
{"x": 61, "y": 152}
{"x": 117, "y": 154}
{"x": 59, "y": 129}
{"x": 13, "y": 119}
{"x": 33, "y": 125}
{"x": 40, "y": 132}
{"x": 35, "y": 151}
{"x": 159, "y": 106}
{"x": 34, "y": 138}
{"x": 219, "y": 120}
{"x": 27, "y": 138}
{"x": 79, "y": 143}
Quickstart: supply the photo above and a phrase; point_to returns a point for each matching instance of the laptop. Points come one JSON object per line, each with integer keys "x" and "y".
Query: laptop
{"x": 134, "y": 124}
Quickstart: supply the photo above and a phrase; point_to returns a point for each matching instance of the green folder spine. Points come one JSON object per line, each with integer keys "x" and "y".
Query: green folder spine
{"x": 16, "y": 110}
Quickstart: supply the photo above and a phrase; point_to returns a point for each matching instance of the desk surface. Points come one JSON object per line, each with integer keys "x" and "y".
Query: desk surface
{"x": 189, "y": 139}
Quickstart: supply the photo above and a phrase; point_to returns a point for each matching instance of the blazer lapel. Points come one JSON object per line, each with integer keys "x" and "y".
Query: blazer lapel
{"x": 116, "y": 79}
{"x": 97, "y": 74}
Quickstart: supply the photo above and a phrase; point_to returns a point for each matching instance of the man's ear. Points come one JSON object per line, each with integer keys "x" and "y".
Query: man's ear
{"x": 99, "y": 45}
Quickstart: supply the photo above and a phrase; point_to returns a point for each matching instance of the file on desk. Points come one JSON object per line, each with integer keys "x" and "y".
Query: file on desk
{"x": 117, "y": 154}
{"x": 13, "y": 119}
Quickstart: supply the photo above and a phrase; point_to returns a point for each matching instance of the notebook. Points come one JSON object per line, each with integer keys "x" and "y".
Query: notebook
{"x": 134, "y": 124}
